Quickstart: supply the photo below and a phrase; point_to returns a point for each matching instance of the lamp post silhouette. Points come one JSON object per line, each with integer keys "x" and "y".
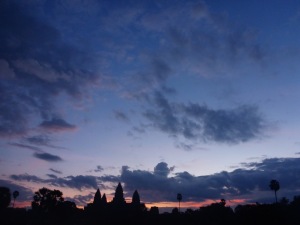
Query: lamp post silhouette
{"x": 179, "y": 198}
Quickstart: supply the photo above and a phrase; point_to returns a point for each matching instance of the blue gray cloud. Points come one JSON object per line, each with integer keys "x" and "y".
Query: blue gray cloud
{"x": 77, "y": 182}
{"x": 55, "y": 171}
{"x": 198, "y": 122}
{"x": 250, "y": 182}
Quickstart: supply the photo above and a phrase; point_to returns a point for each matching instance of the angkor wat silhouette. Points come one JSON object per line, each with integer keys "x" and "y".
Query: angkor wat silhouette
{"x": 118, "y": 203}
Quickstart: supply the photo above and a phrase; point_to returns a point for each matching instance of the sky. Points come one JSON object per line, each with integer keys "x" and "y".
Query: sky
{"x": 166, "y": 97}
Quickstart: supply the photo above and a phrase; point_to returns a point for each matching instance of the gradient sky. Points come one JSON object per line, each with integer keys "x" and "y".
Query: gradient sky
{"x": 196, "y": 97}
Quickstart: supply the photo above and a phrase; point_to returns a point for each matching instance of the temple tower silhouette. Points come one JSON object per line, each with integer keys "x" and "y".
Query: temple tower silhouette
{"x": 136, "y": 198}
{"x": 97, "y": 198}
{"x": 119, "y": 196}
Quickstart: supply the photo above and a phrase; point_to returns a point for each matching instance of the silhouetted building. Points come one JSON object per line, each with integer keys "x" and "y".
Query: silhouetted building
{"x": 118, "y": 205}
{"x": 104, "y": 200}
{"x": 136, "y": 198}
{"x": 119, "y": 196}
{"x": 97, "y": 199}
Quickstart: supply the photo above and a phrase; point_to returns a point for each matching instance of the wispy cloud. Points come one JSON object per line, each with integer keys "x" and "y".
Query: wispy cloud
{"x": 77, "y": 182}
{"x": 55, "y": 171}
{"x": 119, "y": 115}
{"x": 99, "y": 169}
{"x": 57, "y": 124}
{"x": 39, "y": 153}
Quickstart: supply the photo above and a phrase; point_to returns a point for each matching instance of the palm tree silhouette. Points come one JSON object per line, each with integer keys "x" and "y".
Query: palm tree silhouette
{"x": 274, "y": 186}
{"x": 179, "y": 198}
{"x": 15, "y": 195}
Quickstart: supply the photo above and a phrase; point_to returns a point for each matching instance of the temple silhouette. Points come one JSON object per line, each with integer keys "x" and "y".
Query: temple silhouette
{"x": 118, "y": 203}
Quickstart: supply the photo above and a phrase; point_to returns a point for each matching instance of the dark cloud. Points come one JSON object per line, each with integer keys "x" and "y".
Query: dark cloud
{"x": 55, "y": 171}
{"x": 27, "y": 177}
{"x": 56, "y": 125}
{"x": 47, "y": 157}
{"x": 81, "y": 199}
{"x": 251, "y": 184}
{"x": 162, "y": 169}
{"x": 198, "y": 122}
{"x": 52, "y": 176}
{"x": 77, "y": 182}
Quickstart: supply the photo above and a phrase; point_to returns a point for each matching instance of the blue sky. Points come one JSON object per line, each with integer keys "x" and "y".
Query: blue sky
{"x": 197, "y": 97}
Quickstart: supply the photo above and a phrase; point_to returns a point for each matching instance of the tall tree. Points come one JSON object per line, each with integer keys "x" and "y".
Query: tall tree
{"x": 274, "y": 186}
{"x": 15, "y": 195}
{"x": 4, "y": 197}
{"x": 179, "y": 198}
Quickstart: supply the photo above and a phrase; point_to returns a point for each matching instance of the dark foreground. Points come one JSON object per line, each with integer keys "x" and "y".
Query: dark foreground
{"x": 215, "y": 214}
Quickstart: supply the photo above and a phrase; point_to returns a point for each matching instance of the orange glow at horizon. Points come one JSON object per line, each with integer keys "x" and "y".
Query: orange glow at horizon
{"x": 185, "y": 205}
{"x": 232, "y": 202}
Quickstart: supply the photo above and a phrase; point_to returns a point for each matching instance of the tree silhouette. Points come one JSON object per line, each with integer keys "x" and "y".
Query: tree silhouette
{"x": 46, "y": 199}
{"x": 179, "y": 198}
{"x": 274, "y": 186}
{"x": 15, "y": 195}
{"x": 4, "y": 197}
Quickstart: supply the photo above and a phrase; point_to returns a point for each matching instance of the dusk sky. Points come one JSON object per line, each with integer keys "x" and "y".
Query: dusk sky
{"x": 193, "y": 97}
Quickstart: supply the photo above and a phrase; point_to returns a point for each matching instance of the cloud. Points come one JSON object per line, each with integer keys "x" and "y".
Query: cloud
{"x": 26, "y": 177}
{"x": 38, "y": 65}
{"x": 38, "y": 140}
{"x": 52, "y": 176}
{"x": 55, "y": 171}
{"x": 251, "y": 184}
{"x": 30, "y": 147}
{"x": 77, "y": 182}
{"x": 161, "y": 169}
{"x": 39, "y": 153}
{"x": 197, "y": 122}
{"x": 99, "y": 169}
{"x": 47, "y": 157}
{"x": 81, "y": 199}
{"x": 119, "y": 115}
{"x": 56, "y": 125}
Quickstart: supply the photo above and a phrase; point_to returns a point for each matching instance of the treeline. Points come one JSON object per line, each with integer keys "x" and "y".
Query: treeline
{"x": 49, "y": 207}
{"x": 214, "y": 214}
